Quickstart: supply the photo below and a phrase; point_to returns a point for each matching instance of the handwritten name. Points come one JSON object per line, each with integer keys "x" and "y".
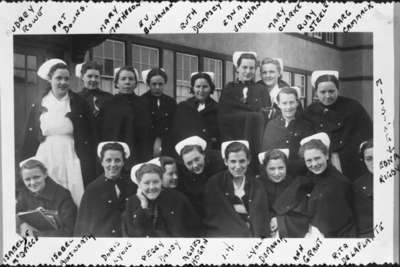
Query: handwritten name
{"x": 284, "y": 18}
{"x": 67, "y": 26}
{"x": 228, "y": 250}
{"x": 155, "y": 21}
{"x": 249, "y": 13}
{"x": 119, "y": 21}
{"x": 358, "y": 17}
{"x": 270, "y": 249}
{"x": 307, "y": 255}
{"x": 170, "y": 249}
{"x": 68, "y": 250}
{"x": 20, "y": 249}
{"x": 22, "y": 21}
{"x": 341, "y": 19}
{"x": 188, "y": 18}
{"x": 195, "y": 251}
{"x": 231, "y": 14}
{"x": 312, "y": 19}
{"x": 345, "y": 253}
{"x": 207, "y": 15}
{"x": 150, "y": 252}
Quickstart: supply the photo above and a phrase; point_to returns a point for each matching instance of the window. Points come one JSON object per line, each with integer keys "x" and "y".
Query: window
{"x": 330, "y": 37}
{"x": 25, "y": 67}
{"x": 185, "y": 65}
{"x": 300, "y": 82}
{"x": 287, "y": 77}
{"x": 215, "y": 65}
{"x": 317, "y": 35}
{"x": 143, "y": 58}
{"x": 325, "y": 37}
{"x": 110, "y": 54}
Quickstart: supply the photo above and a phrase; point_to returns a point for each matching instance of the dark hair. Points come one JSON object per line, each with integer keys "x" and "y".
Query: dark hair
{"x": 235, "y": 147}
{"x": 313, "y": 144}
{"x": 327, "y": 78}
{"x": 204, "y": 76}
{"x": 269, "y": 60}
{"x": 148, "y": 168}
{"x": 32, "y": 164}
{"x": 112, "y": 146}
{"x": 246, "y": 56}
{"x": 56, "y": 67}
{"x": 91, "y": 65}
{"x": 190, "y": 148}
{"x": 364, "y": 146}
{"x": 156, "y": 72}
{"x": 165, "y": 160}
{"x": 127, "y": 68}
{"x": 289, "y": 91}
{"x": 274, "y": 154}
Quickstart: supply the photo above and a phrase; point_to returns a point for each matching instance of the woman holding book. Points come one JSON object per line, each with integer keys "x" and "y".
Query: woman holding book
{"x": 43, "y": 200}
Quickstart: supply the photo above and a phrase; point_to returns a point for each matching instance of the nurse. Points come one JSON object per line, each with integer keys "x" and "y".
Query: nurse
{"x": 235, "y": 201}
{"x": 244, "y": 105}
{"x": 105, "y": 198}
{"x": 156, "y": 211}
{"x": 363, "y": 188}
{"x": 288, "y": 129}
{"x": 125, "y": 117}
{"x": 162, "y": 109}
{"x": 197, "y": 164}
{"x": 198, "y": 114}
{"x": 319, "y": 203}
{"x": 170, "y": 171}
{"x": 90, "y": 73}
{"x": 343, "y": 119}
{"x": 60, "y": 131}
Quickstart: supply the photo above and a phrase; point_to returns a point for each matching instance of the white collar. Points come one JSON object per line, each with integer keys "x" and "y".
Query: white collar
{"x": 239, "y": 190}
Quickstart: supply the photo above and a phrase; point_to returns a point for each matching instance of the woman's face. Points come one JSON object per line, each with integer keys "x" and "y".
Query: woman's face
{"x": 201, "y": 89}
{"x": 315, "y": 160}
{"x": 276, "y": 170}
{"x": 112, "y": 163}
{"x": 288, "y": 105}
{"x": 194, "y": 161}
{"x": 327, "y": 93}
{"x": 91, "y": 79}
{"x": 60, "y": 82}
{"x": 369, "y": 159}
{"x": 150, "y": 185}
{"x": 34, "y": 179}
{"x": 246, "y": 70}
{"x": 157, "y": 85}
{"x": 270, "y": 74}
{"x": 126, "y": 82}
{"x": 237, "y": 163}
{"x": 170, "y": 176}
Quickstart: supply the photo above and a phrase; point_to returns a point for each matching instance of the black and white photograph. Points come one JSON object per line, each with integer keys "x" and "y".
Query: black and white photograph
{"x": 198, "y": 133}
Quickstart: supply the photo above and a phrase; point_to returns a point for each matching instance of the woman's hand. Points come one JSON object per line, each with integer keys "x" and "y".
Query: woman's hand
{"x": 144, "y": 203}
{"x": 273, "y": 225}
{"x": 27, "y": 230}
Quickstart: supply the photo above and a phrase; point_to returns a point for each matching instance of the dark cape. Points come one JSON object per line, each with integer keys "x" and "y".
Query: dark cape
{"x": 54, "y": 197}
{"x": 364, "y": 205}
{"x": 188, "y": 122}
{"x": 84, "y": 134}
{"x": 193, "y": 185}
{"x": 100, "y": 211}
{"x": 125, "y": 118}
{"x": 323, "y": 201}
{"x": 170, "y": 215}
{"x": 162, "y": 118}
{"x": 222, "y": 220}
{"x": 348, "y": 125}
{"x": 276, "y": 135}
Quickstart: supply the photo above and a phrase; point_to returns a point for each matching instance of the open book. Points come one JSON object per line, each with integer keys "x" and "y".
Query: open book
{"x": 41, "y": 219}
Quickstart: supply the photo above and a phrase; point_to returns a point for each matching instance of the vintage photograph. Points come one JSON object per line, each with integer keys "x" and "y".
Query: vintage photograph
{"x": 183, "y": 135}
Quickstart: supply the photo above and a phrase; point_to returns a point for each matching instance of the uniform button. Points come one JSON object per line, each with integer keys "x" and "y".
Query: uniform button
{"x": 364, "y": 187}
{"x": 30, "y": 129}
{"x": 109, "y": 201}
{"x": 226, "y": 194}
{"x": 134, "y": 215}
{"x": 308, "y": 195}
{"x": 166, "y": 114}
{"x": 287, "y": 141}
{"x": 204, "y": 130}
{"x": 166, "y": 128}
{"x": 249, "y": 200}
{"x": 321, "y": 125}
{"x": 152, "y": 113}
{"x": 340, "y": 142}
{"x": 256, "y": 99}
{"x": 287, "y": 207}
{"x": 113, "y": 231}
{"x": 33, "y": 105}
{"x": 80, "y": 116}
{"x": 338, "y": 123}
{"x": 126, "y": 199}
{"x": 86, "y": 142}
{"x": 248, "y": 217}
{"x": 172, "y": 212}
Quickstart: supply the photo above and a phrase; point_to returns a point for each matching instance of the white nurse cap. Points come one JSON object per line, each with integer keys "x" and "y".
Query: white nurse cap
{"x": 78, "y": 70}
{"x": 237, "y": 54}
{"x": 225, "y": 144}
{"x": 323, "y": 137}
{"x": 261, "y": 156}
{"x": 209, "y": 73}
{"x": 134, "y": 69}
{"x": 44, "y": 69}
{"x": 134, "y": 170}
{"x": 146, "y": 72}
{"x": 155, "y": 161}
{"x": 318, "y": 73}
{"x": 28, "y": 159}
{"x": 190, "y": 141}
{"x": 124, "y": 146}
